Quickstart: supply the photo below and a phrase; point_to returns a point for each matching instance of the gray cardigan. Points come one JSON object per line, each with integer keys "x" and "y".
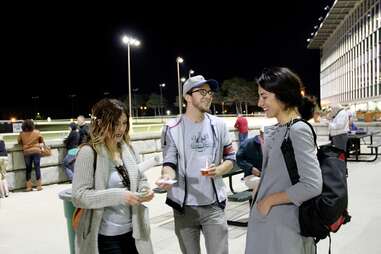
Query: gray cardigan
{"x": 94, "y": 200}
{"x": 279, "y": 231}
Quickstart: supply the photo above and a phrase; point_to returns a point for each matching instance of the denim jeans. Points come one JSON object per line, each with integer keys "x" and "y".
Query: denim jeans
{"x": 35, "y": 159}
{"x": 118, "y": 244}
{"x": 68, "y": 163}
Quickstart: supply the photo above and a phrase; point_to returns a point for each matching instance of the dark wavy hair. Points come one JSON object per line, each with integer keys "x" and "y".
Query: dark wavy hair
{"x": 105, "y": 118}
{"x": 27, "y": 125}
{"x": 286, "y": 85}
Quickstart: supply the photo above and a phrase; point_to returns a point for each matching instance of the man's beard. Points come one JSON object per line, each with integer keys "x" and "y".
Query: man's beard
{"x": 202, "y": 108}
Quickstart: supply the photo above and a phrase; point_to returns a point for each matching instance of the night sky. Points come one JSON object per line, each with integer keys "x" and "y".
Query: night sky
{"x": 52, "y": 52}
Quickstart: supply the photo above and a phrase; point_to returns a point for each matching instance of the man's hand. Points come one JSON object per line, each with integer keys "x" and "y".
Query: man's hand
{"x": 162, "y": 185}
{"x": 167, "y": 173}
{"x": 212, "y": 170}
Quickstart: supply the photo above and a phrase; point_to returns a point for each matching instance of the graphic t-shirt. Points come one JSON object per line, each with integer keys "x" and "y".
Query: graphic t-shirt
{"x": 198, "y": 140}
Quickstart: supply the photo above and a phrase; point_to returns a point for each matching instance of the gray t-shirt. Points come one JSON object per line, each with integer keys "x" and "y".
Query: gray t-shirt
{"x": 198, "y": 140}
{"x": 116, "y": 220}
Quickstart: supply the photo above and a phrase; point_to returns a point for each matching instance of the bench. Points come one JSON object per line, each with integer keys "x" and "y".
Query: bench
{"x": 375, "y": 147}
{"x": 237, "y": 196}
{"x": 235, "y": 171}
{"x": 373, "y": 152}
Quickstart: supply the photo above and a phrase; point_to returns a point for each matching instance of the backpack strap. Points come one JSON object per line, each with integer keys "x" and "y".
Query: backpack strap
{"x": 288, "y": 151}
{"x": 304, "y": 121}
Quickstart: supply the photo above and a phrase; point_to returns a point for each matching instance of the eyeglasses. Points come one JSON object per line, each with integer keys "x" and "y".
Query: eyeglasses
{"x": 203, "y": 92}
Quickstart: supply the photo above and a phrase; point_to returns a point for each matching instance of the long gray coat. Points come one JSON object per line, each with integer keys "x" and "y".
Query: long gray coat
{"x": 279, "y": 231}
{"x": 85, "y": 196}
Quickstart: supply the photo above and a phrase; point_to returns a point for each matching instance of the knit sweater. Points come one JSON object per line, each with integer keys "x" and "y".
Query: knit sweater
{"x": 30, "y": 141}
{"x": 90, "y": 192}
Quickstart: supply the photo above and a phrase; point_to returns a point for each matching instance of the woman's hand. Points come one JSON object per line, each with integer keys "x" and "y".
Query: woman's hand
{"x": 148, "y": 197}
{"x": 264, "y": 206}
{"x": 131, "y": 199}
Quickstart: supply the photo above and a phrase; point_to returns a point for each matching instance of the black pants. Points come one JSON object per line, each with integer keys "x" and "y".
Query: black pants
{"x": 119, "y": 244}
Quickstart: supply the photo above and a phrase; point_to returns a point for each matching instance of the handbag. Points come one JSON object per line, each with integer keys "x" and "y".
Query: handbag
{"x": 45, "y": 150}
{"x": 78, "y": 212}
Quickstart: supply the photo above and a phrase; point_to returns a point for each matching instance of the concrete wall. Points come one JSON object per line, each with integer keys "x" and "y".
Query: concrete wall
{"x": 146, "y": 144}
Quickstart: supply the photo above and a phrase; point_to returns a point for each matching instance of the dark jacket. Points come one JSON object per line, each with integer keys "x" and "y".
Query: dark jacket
{"x": 250, "y": 155}
{"x": 84, "y": 134}
{"x": 3, "y": 150}
{"x": 72, "y": 141}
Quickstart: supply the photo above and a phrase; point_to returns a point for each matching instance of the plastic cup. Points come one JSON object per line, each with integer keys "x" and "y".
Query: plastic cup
{"x": 204, "y": 171}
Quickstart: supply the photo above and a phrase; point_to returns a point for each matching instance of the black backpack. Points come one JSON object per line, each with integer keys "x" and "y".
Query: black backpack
{"x": 327, "y": 212}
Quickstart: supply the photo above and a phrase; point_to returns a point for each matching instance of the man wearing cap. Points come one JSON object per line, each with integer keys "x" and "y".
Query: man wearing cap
{"x": 197, "y": 151}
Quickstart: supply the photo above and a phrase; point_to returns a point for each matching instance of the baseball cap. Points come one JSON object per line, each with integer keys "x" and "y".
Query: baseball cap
{"x": 197, "y": 81}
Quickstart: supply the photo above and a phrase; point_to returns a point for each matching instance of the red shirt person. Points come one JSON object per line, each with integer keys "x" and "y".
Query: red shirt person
{"x": 242, "y": 126}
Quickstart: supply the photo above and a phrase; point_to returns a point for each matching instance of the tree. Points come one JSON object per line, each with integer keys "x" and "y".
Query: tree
{"x": 163, "y": 105}
{"x": 154, "y": 102}
{"x": 233, "y": 89}
{"x": 218, "y": 99}
{"x": 240, "y": 92}
{"x": 136, "y": 101}
{"x": 250, "y": 94}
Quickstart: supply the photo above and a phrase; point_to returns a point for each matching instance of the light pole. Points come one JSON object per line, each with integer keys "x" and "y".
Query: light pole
{"x": 134, "y": 103}
{"x": 72, "y": 96}
{"x": 129, "y": 41}
{"x": 179, "y": 60}
{"x": 35, "y": 99}
{"x": 161, "y": 98}
{"x": 190, "y": 73}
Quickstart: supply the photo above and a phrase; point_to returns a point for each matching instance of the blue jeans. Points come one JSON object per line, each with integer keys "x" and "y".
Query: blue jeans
{"x": 68, "y": 163}
{"x": 35, "y": 159}
{"x": 118, "y": 244}
{"x": 242, "y": 137}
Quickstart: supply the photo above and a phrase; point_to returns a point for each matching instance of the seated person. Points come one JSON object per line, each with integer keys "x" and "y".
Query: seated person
{"x": 352, "y": 125}
{"x": 249, "y": 155}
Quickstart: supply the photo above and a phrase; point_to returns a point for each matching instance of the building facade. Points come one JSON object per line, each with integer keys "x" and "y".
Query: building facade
{"x": 349, "y": 38}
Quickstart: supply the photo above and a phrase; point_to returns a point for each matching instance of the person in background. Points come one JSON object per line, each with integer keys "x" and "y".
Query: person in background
{"x": 4, "y": 192}
{"x": 71, "y": 144}
{"x": 114, "y": 221}
{"x": 249, "y": 158}
{"x": 352, "y": 125}
{"x": 338, "y": 127}
{"x": 84, "y": 133}
{"x": 249, "y": 155}
{"x": 32, "y": 144}
{"x": 242, "y": 126}
{"x": 274, "y": 225}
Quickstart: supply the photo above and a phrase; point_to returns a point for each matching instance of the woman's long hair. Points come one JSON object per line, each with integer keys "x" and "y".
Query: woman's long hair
{"x": 105, "y": 118}
{"x": 286, "y": 85}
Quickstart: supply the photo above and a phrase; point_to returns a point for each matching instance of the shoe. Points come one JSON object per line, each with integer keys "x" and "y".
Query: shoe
{"x": 29, "y": 185}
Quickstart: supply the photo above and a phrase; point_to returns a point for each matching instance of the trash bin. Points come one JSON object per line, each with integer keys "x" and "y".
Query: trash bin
{"x": 65, "y": 195}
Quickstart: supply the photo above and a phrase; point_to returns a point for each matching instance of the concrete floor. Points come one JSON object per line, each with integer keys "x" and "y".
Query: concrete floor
{"x": 34, "y": 222}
